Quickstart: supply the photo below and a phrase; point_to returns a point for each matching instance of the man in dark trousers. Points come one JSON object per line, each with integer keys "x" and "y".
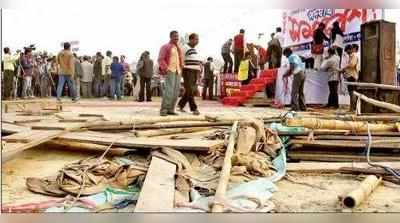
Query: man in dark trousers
{"x": 296, "y": 69}
{"x": 208, "y": 79}
{"x": 238, "y": 49}
{"x": 145, "y": 71}
{"x": 226, "y": 55}
{"x": 191, "y": 71}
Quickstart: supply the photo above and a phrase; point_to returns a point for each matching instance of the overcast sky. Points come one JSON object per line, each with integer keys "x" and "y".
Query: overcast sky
{"x": 135, "y": 26}
{"x": 130, "y": 27}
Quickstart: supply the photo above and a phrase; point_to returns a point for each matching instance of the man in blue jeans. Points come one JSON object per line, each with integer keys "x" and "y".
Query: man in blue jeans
{"x": 66, "y": 62}
{"x": 117, "y": 72}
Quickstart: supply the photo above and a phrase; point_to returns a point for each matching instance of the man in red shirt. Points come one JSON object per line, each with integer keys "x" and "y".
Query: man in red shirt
{"x": 238, "y": 49}
{"x": 263, "y": 57}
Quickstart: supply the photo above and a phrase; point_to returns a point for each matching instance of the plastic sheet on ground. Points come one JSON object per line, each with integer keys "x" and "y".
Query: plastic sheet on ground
{"x": 110, "y": 195}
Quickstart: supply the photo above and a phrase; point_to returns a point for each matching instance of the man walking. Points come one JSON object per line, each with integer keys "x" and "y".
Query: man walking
{"x": 87, "y": 78}
{"x": 127, "y": 69}
{"x": 170, "y": 62}
{"x": 226, "y": 55}
{"x": 27, "y": 72}
{"x": 98, "y": 75}
{"x": 66, "y": 63}
{"x": 191, "y": 72}
{"x": 208, "y": 79}
{"x": 238, "y": 49}
{"x": 297, "y": 70}
{"x": 117, "y": 72}
{"x": 106, "y": 64}
{"x": 145, "y": 71}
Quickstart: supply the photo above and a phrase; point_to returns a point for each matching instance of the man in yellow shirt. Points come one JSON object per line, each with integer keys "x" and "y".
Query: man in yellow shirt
{"x": 8, "y": 73}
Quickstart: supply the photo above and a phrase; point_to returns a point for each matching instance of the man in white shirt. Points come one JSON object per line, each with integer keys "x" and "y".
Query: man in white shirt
{"x": 106, "y": 71}
{"x": 87, "y": 78}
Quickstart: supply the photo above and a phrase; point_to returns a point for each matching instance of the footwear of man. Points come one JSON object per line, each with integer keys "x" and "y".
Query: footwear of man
{"x": 75, "y": 100}
{"x": 172, "y": 113}
{"x": 59, "y": 99}
{"x": 196, "y": 112}
{"x": 140, "y": 100}
{"x": 182, "y": 110}
{"x": 149, "y": 100}
{"x": 163, "y": 114}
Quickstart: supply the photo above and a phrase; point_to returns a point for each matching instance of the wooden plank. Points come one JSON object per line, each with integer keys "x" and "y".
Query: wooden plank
{"x": 345, "y": 137}
{"x": 11, "y": 149}
{"x": 158, "y": 191}
{"x": 149, "y": 143}
{"x": 317, "y": 156}
{"x": 328, "y": 167}
{"x": 8, "y": 128}
{"x": 54, "y": 125}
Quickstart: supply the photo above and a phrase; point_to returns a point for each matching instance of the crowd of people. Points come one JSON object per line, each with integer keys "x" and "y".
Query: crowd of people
{"x": 27, "y": 75}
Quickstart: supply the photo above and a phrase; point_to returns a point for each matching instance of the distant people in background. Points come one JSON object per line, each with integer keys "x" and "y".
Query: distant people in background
{"x": 145, "y": 72}
{"x": 238, "y": 49}
{"x": 127, "y": 69}
{"x": 106, "y": 64}
{"x": 27, "y": 72}
{"x": 117, "y": 72}
{"x": 296, "y": 69}
{"x": 170, "y": 63}
{"x": 350, "y": 73}
{"x": 317, "y": 46}
{"x": 208, "y": 85}
{"x": 279, "y": 36}
{"x": 191, "y": 73}
{"x": 87, "y": 78}
{"x": 77, "y": 76}
{"x": 98, "y": 75}
{"x": 262, "y": 57}
{"x": 66, "y": 63}
{"x": 337, "y": 38}
{"x": 8, "y": 70}
{"x": 54, "y": 75}
{"x": 331, "y": 65}
{"x": 274, "y": 51}
{"x": 226, "y": 56}
{"x": 45, "y": 77}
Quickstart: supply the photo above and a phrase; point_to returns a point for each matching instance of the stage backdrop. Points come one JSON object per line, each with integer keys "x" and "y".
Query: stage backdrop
{"x": 299, "y": 25}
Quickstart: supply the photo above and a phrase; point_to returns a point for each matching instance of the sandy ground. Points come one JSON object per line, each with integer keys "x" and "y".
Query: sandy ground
{"x": 321, "y": 195}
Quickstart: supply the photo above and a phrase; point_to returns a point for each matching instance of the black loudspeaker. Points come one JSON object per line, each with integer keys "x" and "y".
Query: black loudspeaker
{"x": 378, "y": 52}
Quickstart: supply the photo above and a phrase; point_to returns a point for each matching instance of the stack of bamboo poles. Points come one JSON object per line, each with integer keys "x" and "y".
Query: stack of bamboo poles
{"x": 336, "y": 139}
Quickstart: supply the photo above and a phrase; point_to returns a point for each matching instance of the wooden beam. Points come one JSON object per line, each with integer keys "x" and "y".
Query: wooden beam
{"x": 331, "y": 167}
{"x": 377, "y": 103}
{"x": 158, "y": 191}
{"x": 324, "y": 157}
{"x": 390, "y": 144}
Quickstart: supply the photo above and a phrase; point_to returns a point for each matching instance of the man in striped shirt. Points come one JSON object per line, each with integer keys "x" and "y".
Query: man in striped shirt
{"x": 191, "y": 71}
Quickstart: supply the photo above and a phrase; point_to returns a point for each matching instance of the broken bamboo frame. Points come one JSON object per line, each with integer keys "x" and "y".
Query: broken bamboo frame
{"x": 315, "y": 123}
{"x": 357, "y": 196}
{"x": 377, "y": 103}
{"x": 218, "y": 205}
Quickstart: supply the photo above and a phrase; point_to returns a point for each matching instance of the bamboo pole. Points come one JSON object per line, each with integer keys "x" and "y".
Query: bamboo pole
{"x": 218, "y": 205}
{"x": 163, "y": 132}
{"x": 160, "y": 126}
{"x": 357, "y": 196}
{"x": 377, "y": 103}
{"x": 314, "y": 123}
{"x": 373, "y": 85}
{"x": 85, "y": 147}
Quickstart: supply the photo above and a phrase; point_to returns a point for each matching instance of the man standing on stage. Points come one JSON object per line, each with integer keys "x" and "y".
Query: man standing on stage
{"x": 238, "y": 49}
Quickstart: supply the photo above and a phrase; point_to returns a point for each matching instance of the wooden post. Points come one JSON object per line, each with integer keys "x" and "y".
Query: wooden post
{"x": 218, "y": 206}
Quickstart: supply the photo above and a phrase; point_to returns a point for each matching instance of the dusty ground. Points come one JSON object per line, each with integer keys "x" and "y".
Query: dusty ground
{"x": 321, "y": 195}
